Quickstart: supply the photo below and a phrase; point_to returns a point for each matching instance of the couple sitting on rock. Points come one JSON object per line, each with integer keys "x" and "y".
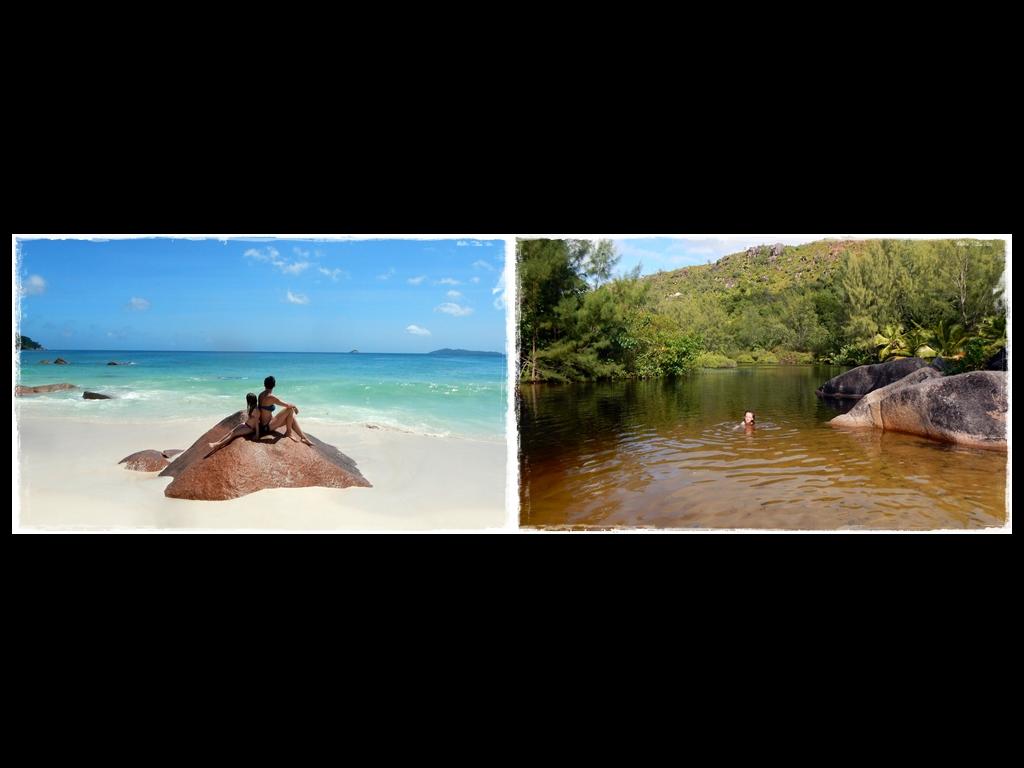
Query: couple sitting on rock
{"x": 260, "y": 420}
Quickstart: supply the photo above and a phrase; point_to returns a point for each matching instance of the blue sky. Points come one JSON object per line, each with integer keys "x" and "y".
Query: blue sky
{"x": 655, "y": 254}
{"x": 266, "y": 295}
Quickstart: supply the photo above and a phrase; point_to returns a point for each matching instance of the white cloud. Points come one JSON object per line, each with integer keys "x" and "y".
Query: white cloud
{"x": 415, "y": 330}
{"x": 299, "y": 252}
{"x": 450, "y": 308}
{"x": 416, "y": 280}
{"x": 454, "y": 295}
{"x": 334, "y": 274}
{"x": 297, "y": 298}
{"x": 33, "y": 285}
{"x": 387, "y": 275}
{"x": 481, "y": 264}
{"x": 272, "y": 256}
{"x": 448, "y": 281}
{"x": 498, "y": 291}
{"x": 139, "y": 305}
{"x": 474, "y": 279}
{"x": 466, "y": 243}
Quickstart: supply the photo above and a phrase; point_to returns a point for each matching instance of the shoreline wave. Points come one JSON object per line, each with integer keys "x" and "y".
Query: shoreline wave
{"x": 142, "y": 420}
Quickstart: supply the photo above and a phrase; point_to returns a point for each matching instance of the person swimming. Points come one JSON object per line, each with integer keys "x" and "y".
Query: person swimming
{"x": 749, "y": 422}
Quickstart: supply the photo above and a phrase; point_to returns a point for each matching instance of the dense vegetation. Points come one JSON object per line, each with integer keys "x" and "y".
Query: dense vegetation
{"x": 848, "y": 302}
{"x": 24, "y": 342}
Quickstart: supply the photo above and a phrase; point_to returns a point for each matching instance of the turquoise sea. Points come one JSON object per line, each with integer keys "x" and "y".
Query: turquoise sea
{"x": 456, "y": 396}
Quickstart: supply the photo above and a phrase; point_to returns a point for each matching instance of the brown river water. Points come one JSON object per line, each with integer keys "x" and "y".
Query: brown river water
{"x": 667, "y": 454}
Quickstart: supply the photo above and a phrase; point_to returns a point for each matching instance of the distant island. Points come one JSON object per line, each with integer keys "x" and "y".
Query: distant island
{"x": 24, "y": 342}
{"x": 354, "y": 352}
{"x": 465, "y": 353}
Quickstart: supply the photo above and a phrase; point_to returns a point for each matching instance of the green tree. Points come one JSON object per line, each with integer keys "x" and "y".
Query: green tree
{"x": 703, "y": 316}
{"x": 948, "y": 338}
{"x": 975, "y": 273}
{"x": 895, "y": 341}
{"x": 928, "y": 302}
{"x": 550, "y": 289}
{"x": 24, "y": 342}
{"x": 875, "y": 285}
{"x": 595, "y": 261}
{"x": 799, "y": 315}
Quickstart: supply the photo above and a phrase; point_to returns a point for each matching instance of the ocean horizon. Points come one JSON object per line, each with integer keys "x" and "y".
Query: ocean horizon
{"x": 443, "y": 395}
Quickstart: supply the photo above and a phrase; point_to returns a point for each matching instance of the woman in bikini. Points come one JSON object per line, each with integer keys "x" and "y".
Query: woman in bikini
{"x": 268, "y": 422}
{"x": 248, "y": 426}
{"x": 259, "y": 420}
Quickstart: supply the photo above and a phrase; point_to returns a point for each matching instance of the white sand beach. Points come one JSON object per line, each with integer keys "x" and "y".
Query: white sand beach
{"x": 70, "y": 480}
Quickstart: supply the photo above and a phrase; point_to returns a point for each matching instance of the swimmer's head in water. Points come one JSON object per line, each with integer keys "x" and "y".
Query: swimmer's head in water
{"x": 749, "y": 418}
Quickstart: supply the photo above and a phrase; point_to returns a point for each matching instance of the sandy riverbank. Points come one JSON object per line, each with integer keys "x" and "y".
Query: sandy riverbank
{"x": 70, "y": 479}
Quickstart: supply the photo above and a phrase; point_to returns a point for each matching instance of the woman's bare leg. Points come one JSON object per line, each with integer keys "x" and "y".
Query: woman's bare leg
{"x": 241, "y": 429}
{"x": 294, "y": 424}
{"x": 284, "y": 419}
{"x": 287, "y": 419}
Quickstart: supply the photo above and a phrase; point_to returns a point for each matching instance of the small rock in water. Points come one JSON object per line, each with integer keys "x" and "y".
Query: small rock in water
{"x": 21, "y": 390}
{"x": 95, "y": 396}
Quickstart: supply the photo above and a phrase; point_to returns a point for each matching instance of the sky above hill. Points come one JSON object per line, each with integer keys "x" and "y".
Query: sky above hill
{"x": 657, "y": 254}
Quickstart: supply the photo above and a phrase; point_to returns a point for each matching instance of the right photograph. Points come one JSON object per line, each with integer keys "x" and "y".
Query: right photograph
{"x": 772, "y": 383}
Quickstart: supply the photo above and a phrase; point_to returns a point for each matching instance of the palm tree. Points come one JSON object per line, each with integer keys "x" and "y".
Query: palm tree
{"x": 894, "y": 341}
{"x": 890, "y": 343}
{"x": 993, "y": 330}
{"x": 948, "y": 338}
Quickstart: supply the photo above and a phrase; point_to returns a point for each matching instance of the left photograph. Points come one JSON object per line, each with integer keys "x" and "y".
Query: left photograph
{"x": 265, "y": 384}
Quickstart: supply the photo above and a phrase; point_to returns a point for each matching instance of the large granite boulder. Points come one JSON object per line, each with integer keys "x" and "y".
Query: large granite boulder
{"x": 247, "y": 465}
{"x": 20, "y": 390}
{"x": 61, "y": 361}
{"x": 862, "y": 381}
{"x": 969, "y": 409}
{"x": 145, "y": 461}
{"x": 201, "y": 446}
{"x": 867, "y": 413}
